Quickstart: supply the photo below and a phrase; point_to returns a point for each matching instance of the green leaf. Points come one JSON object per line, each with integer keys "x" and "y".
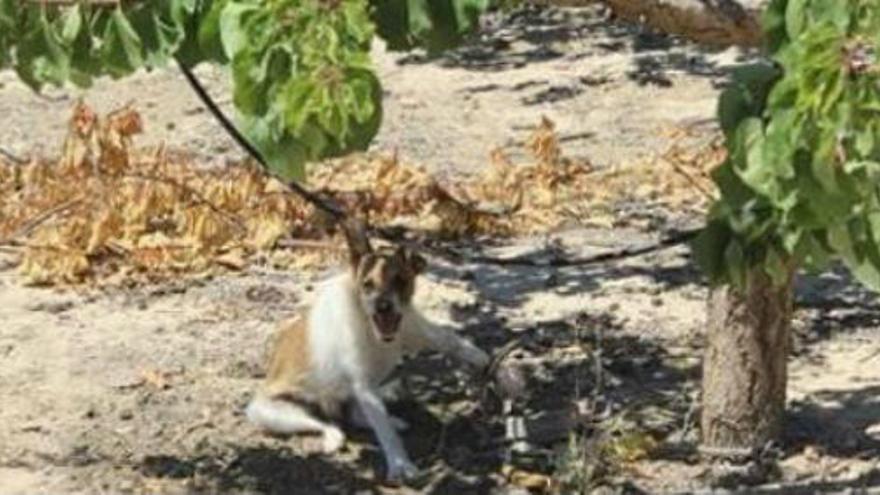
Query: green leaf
{"x": 773, "y": 25}
{"x": 298, "y": 103}
{"x": 249, "y": 83}
{"x": 749, "y": 157}
{"x": 795, "y": 17}
{"x": 71, "y": 24}
{"x": 840, "y": 241}
{"x": 284, "y": 154}
{"x": 873, "y": 221}
{"x": 41, "y": 55}
{"x": 867, "y": 273}
{"x": 158, "y": 34}
{"x": 780, "y": 143}
{"x": 871, "y": 168}
{"x": 85, "y": 59}
{"x": 210, "y": 39}
{"x": 435, "y": 25}
{"x": 232, "y": 27}
{"x": 837, "y": 12}
{"x": 824, "y": 158}
{"x": 122, "y": 49}
{"x": 180, "y": 10}
{"x": 419, "y": 17}
{"x": 776, "y": 265}
{"x": 865, "y": 143}
{"x": 791, "y": 240}
{"x": 368, "y": 109}
{"x": 336, "y": 124}
{"x": 858, "y": 251}
{"x": 733, "y": 108}
{"x": 812, "y": 252}
{"x": 708, "y": 248}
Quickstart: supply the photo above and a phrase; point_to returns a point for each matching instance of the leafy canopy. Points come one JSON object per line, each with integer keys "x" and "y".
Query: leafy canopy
{"x": 801, "y": 184}
{"x": 303, "y": 84}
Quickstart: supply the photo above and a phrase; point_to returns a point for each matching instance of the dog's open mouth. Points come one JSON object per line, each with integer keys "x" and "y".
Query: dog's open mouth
{"x": 386, "y": 324}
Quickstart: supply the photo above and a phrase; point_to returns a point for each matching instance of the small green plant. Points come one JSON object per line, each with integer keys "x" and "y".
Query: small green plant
{"x": 580, "y": 467}
{"x": 801, "y": 185}
{"x": 303, "y": 84}
{"x": 587, "y": 462}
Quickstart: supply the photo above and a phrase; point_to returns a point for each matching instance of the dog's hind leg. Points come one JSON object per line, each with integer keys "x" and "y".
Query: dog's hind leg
{"x": 281, "y": 416}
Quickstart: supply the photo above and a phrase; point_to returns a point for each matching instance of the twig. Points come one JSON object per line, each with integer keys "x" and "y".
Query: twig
{"x": 291, "y": 243}
{"x": 198, "y": 197}
{"x": 599, "y": 388}
{"x": 870, "y": 356}
{"x": 690, "y": 178}
{"x": 688, "y": 417}
{"x": 38, "y": 220}
{"x": 204, "y": 423}
{"x": 12, "y": 157}
{"x": 726, "y": 452}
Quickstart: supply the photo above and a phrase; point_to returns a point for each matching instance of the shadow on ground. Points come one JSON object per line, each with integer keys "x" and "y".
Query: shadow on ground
{"x": 532, "y": 34}
{"x": 259, "y": 470}
{"x": 593, "y": 360}
{"x": 837, "y": 421}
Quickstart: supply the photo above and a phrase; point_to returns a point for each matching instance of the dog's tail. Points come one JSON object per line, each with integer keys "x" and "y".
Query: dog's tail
{"x": 277, "y": 416}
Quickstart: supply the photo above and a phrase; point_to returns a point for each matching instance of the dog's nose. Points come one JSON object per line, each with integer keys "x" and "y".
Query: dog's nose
{"x": 383, "y": 306}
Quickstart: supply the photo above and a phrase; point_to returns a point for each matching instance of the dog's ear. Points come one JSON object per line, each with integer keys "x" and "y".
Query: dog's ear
{"x": 355, "y": 231}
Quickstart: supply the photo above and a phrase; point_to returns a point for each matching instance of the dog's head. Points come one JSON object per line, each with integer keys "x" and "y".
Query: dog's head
{"x": 385, "y": 280}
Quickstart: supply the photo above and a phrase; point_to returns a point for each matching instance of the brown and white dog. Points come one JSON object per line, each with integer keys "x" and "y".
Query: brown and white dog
{"x": 357, "y": 331}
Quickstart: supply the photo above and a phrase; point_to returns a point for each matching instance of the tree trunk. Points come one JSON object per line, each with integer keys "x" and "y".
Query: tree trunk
{"x": 712, "y": 22}
{"x": 744, "y": 368}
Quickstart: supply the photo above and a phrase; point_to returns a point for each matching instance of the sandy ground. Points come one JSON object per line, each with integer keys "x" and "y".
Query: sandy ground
{"x": 141, "y": 390}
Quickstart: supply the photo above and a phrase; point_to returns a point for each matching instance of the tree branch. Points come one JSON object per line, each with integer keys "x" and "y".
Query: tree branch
{"x": 712, "y": 22}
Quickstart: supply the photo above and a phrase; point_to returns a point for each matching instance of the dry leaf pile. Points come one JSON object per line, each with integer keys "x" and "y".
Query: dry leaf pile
{"x": 521, "y": 198}
{"x": 108, "y": 211}
{"x": 386, "y": 191}
{"x": 506, "y": 199}
{"x": 105, "y": 209}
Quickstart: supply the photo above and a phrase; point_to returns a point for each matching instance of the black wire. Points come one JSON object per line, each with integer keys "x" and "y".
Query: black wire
{"x": 335, "y": 211}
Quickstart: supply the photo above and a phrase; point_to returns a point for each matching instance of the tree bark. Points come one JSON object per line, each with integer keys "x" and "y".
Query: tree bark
{"x": 712, "y": 22}
{"x": 744, "y": 367}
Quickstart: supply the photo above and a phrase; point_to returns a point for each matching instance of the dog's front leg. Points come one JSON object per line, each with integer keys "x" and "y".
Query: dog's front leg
{"x": 430, "y": 335}
{"x": 399, "y": 466}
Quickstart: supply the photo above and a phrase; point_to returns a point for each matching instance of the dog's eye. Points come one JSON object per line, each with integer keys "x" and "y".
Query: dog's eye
{"x": 369, "y": 285}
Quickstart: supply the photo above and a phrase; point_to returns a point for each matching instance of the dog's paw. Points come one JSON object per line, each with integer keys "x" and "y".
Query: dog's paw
{"x": 401, "y": 471}
{"x": 332, "y": 440}
{"x": 478, "y": 360}
{"x": 399, "y": 424}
